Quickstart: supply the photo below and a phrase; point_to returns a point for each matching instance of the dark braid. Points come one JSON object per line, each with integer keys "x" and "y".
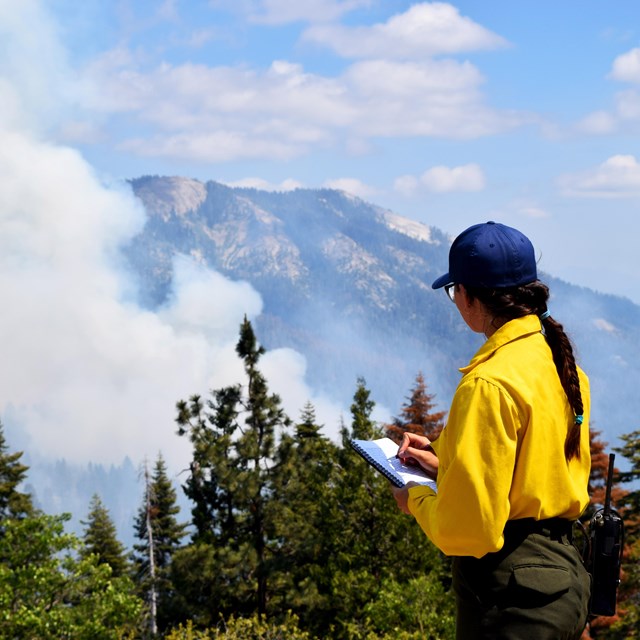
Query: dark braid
{"x": 515, "y": 302}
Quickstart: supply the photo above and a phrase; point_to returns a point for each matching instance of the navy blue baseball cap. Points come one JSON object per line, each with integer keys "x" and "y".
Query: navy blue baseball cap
{"x": 490, "y": 255}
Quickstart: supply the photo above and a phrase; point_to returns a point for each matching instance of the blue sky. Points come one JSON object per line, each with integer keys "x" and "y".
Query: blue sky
{"x": 450, "y": 113}
{"x": 526, "y": 112}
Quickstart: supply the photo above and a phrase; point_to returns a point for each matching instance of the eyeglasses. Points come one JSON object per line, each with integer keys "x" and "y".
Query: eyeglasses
{"x": 451, "y": 291}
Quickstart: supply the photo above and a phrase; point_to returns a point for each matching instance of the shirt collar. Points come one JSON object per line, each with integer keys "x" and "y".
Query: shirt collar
{"x": 508, "y": 332}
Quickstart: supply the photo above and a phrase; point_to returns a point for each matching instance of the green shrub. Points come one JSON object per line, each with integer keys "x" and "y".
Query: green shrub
{"x": 254, "y": 628}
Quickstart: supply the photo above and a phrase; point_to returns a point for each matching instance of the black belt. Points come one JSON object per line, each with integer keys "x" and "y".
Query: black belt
{"x": 554, "y": 528}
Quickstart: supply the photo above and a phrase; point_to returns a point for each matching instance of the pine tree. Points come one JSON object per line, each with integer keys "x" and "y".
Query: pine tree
{"x": 362, "y": 426}
{"x": 160, "y": 537}
{"x": 100, "y": 539}
{"x": 13, "y": 503}
{"x": 230, "y": 484}
{"x": 372, "y": 530}
{"x": 416, "y": 415}
{"x": 629, "y": 507}
{"x": 304, "y": 519}
{"x": 630, "y": 502}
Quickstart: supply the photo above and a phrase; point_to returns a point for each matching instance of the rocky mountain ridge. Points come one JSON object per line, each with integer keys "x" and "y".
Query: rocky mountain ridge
{"x": 335, "y": 273}
{"x": 347, "y": 284}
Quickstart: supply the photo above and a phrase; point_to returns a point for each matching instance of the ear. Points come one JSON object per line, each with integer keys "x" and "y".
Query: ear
{"x": 464, "y": 296}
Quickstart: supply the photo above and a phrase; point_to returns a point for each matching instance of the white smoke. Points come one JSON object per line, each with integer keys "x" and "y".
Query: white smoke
{"x": 86, "y": 373}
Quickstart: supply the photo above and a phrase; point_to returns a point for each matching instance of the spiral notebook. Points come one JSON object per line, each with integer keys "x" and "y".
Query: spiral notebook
{"x": 381, "y": 455}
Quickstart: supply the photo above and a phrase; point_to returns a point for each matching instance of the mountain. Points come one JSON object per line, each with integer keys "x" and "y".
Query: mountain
{"x": 347, "y": 284}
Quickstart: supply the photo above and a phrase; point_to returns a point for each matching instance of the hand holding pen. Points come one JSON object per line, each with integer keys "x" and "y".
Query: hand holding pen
{"x": 417, "y": 450}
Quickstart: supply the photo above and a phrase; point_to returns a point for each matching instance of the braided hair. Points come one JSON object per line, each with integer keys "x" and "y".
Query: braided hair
{"x": 508, "y": 303}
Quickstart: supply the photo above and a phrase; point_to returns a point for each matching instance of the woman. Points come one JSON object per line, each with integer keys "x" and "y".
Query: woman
{"x": 512, "y": 464}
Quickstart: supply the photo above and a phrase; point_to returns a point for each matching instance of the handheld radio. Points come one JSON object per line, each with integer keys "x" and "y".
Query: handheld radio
{"x": 606, "y": 533}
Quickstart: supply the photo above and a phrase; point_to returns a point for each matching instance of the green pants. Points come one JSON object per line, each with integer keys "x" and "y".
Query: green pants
{"x": 535, "y": 587}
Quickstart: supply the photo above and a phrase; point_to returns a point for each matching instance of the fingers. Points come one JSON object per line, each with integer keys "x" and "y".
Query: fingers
{"x": 412, "y": 440}
{"x": 402, "y": 497}
{"x": 425, "y": 458}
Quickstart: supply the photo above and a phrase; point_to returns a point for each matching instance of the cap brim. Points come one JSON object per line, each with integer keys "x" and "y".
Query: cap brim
{"x": 441, "y": 281}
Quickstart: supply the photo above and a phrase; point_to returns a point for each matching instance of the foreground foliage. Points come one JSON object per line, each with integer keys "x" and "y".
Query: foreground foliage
{"x": 292, "y": 536}
{"x": 48, "y": 592}
{"x": 256, "y": 627}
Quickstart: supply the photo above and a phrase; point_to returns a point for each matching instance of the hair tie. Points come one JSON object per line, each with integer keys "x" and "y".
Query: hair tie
{"x": 545, "y": 315}
{"x": 579, "y": 419}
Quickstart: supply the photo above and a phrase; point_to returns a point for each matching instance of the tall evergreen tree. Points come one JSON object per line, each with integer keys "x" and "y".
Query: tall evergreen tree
{"x": 629, "y": 505}
{"x": 598, "y": 476}
{"x": 362, "y": 426}
{"x": 304, "y": 521}
{"x": 230, "y": 484}
{"x": 160, "y": 536}
{"x": 373, "y": 529}
{"x": 13, "y": 503}
{"x": 101, "y": 539}
{"x": 630, "y": 502}
{"x": 417, "y": 415}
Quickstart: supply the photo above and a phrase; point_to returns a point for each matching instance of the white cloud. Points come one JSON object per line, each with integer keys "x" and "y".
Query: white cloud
{"x": 626, "y": 67}
{"x": 532, "y": 211}
{"x": 628, "y": 105}
{"x": 625, "y": 113}
{"x": 218, "y": 114}
{"x": 424, "y": 30}
{"x": 598, "y": 123}
{"x": 618, "y": 176}
{"x": 280, "y": 12}
{"x": 438, "y": 98}
{"x": 276, "y": 12}
{"x": 441, "y": 179}
{"x": 406, "y": 185}
{"x": 353, "y": 186}
{"x": 468, "y": 177}
{"x": 623, "y": 117}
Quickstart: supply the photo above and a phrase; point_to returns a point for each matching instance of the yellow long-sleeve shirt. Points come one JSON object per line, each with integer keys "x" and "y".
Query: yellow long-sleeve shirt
{"x": 501, "y": 454}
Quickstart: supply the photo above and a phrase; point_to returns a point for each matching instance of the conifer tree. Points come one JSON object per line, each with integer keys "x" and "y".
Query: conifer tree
{"x": 417, "y": 414}
{"x": 101, "y": 539}
{"x": 373, "y": 529}
{"x": 13, "y": 503}
{"x": 230, "y": 484}
{"x": 362, "y": 426}
{"x": 305, "y": 520}
{"x": 630, "y": 502}
{"x": 160, "y": 536}
{"x": 629, "y": 505}
{"x": 598, "y": 476}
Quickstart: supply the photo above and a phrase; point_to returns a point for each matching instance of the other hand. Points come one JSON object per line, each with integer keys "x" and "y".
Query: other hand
{"x": 402, "y": 496}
